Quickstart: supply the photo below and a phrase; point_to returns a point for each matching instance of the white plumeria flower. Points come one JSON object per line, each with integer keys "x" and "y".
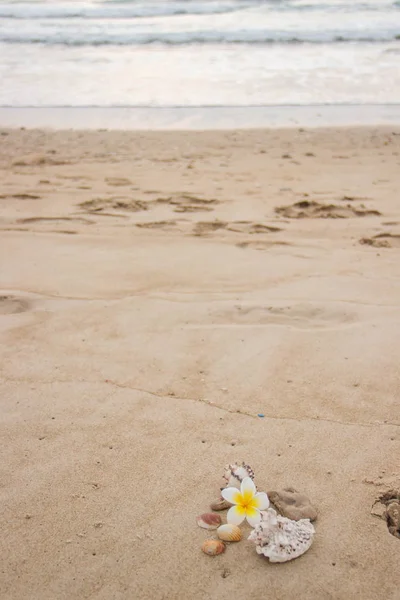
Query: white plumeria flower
{"x": 247, "y": 503}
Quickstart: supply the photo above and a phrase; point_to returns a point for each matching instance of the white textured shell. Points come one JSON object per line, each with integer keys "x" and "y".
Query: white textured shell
{"x": 235, "y": 473}
{"x": 281, "y": 539}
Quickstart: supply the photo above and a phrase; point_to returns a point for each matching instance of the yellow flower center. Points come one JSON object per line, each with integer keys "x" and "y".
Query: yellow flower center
{"x": 246, "y": 500}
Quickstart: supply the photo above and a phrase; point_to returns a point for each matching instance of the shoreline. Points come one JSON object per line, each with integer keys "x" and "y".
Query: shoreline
{"x": 200, "y": 118}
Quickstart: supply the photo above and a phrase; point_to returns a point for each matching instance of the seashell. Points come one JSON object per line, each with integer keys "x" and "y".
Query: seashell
{"x": 293, "y": 505}
{"x": 235, "y": 473}
{"x": 213, "y": 547}
{"x": 281, "y": 539}
{"x": 209, "y": 521}
{"x": 220, "y": 504}
{"x": 229, "y": 533}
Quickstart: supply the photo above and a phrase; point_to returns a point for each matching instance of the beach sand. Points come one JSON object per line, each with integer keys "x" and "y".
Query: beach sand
{"x": 153, "y": 303}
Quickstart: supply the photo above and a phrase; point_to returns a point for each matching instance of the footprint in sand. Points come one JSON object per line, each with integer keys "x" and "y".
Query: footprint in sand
{"x": 21, "y": 196}
{"x": 97, "y": 205}
{"x": 382, "y": 240}
{"x": 163, "y": 225}
{"x": 246, "y": 227}
{"x": 310, "y": 209}
{"x": 54, "y": 219}
{"x": 347, "y": 198}
{"x": 205, "y": 227}
{"x": 186, "y": 202}
{"x": 251, "y": 228}
{"x": 262, "y": 244}
{"x": 38, "y": 161}
{"x": 118, "y": 181}
{"x": 10, "y": 305}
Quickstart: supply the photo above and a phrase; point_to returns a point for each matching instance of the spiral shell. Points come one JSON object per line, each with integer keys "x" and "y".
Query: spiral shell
{"x": 209, "y": 521}
{"x": 235, "y": 473}
{"x": 213, "y": 547}
{"x": 229, "y": 533}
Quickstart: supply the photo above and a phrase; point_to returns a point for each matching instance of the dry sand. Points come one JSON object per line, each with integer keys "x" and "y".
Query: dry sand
{"x": 153, "y": 303}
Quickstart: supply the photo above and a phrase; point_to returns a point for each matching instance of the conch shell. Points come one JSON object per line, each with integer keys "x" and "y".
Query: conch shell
{"x": 281, "y": 539}
{"x": 235, "y": 473}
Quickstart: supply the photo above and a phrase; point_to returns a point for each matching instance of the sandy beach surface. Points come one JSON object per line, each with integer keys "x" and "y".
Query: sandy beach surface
{"x": 161, "y": 290}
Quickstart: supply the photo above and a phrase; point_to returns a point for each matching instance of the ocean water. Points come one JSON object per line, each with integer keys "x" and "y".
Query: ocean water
{"x": 199, "y": 53}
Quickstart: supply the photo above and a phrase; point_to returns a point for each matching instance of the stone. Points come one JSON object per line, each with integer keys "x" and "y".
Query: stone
{"x": 393, "y": 518}
{"x": 292, "y": 504}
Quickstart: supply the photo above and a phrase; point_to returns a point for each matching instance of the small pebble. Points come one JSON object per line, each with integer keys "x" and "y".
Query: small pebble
{"x": 261, "y": 415}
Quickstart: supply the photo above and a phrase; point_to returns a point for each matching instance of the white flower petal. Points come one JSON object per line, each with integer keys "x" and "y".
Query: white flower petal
{"x": 261, "y": 501}
{"x": 254, "y": 517}
{"x": 247, "y": 487}
{"x": 231, "y": 495}
{"x": 236, "y": 515}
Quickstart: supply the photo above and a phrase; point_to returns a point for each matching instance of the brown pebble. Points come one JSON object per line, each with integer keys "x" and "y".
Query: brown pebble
{"x": 220, "y": 504}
